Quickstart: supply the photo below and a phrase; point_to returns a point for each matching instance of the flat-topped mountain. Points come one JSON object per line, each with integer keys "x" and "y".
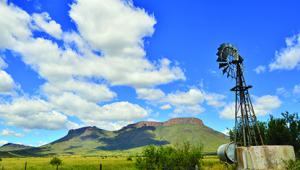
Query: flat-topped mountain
{"x": 174, "y": 121}
{"x": 130, "y": 139}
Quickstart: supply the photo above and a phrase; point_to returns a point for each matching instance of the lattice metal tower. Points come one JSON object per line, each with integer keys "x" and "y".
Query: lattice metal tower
{"x": 247, "y": 132}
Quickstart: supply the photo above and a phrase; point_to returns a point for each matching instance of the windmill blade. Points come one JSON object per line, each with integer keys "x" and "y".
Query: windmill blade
{"x": 230, "y": 72}
{"x": 221, "y": 59}
{"x": 221, "y": 65}
{"x": 241, "y": 58}
{"x": 225, "y": 69}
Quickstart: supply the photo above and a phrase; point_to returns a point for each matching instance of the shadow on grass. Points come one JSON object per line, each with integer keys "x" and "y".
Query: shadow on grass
{"x": 130, "y": 138}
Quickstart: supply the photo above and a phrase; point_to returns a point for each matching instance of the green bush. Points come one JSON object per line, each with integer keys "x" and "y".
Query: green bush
{"x": 292, "y": 165}
{"x": 56, "y": 162}
{"x": 129, "y": 158}
{"x": 180, "y": 157}
{"x": 284, "y": 130}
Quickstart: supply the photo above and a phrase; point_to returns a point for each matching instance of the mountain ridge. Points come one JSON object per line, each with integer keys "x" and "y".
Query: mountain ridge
{"x": 92, "y": 140}
{"x": 13, "y": 147}
{"x": 170, "y": 122}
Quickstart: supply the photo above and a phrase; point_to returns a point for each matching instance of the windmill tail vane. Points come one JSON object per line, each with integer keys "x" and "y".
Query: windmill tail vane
{"x": 247, "y": 131}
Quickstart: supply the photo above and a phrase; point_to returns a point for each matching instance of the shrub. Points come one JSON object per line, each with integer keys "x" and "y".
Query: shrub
{"x": 180, "y": 157}
{"x": 129, "y": 158}
{"x": 56, "y": 162}
{"x": 292, "y": 165}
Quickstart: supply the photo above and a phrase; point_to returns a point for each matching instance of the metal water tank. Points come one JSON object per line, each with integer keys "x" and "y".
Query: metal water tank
{"x": 227, "y": 152}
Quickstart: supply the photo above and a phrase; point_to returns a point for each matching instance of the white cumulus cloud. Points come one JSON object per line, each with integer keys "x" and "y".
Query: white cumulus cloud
{"x": 72, "y": 104}
{"x": 191, "y": 101}
{"x": 99, "y": 22}
{"x": 44, "y": 22}
{"x": 32, "y": 114}
{"x": 265, "y": 104}
{"x": 90, "y": 91}
{"x": 7, "y": 132}
{"x": 262, "y": 105}
{"x": 78, "y": 79}
{"x": 6, "y": 83}
{"x": 260, "y": 69}
{"x": 150, "y": 94}
{"x": 287, "y": 58}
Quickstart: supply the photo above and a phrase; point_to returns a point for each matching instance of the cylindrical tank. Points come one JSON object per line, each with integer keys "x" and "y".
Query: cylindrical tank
{"x": 226, "y": 152}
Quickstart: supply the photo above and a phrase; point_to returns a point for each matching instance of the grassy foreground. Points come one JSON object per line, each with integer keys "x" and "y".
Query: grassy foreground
{"x": 89, "y": 163}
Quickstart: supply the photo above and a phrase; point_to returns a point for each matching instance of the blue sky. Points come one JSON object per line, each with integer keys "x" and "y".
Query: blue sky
{"x": 67, "y": 64}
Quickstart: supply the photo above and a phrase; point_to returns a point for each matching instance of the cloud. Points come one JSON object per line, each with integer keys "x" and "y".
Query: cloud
{"x": 33, "y": 114}
{"x": 110, "y": 125}
{"x": 296, "y": 89}
{"x": 72, "y": 104}
{"x": 7, "y": 132}
{"x": 214, "y": 99}
{"x": 260, "y": 69}
{"x": 183, "y": 102}
{"x": 59, "y": 64}
{"x": 90, "y": 91}
{"x": 166, "y": 107}
{"x": 122, "y": 48}
{"x": 3, "y": 64}
{"x": 262, "y": 105}
{"x": 80, "y": 69}
{"x": 265, "y": 104}
{"x": 228, "y": 111}
{"x": 114, "y": 114}
{"x": 41, "y": 143}
{"x": 188, "y": 109}
{"x": 3, "y": 142}
{"x": 150, "y": 94}
{"x": 44, "y": 22}
{"x": 191, "y": 97}
{"x": 17, "y": 28}
{"x": 287, "y": 58}
{"x": 282, "y": 92}
{"x": 190, "y": 102}
{"x": 226, "y": 132}
{"x": 186, "y": 102}
{"x": 99, "y": 22}
{"x": 6, "y": 83}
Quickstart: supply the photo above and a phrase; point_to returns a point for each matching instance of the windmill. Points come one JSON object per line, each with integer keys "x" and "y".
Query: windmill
{"x": 247, "y": 150}
{"x": 246, "y": 130}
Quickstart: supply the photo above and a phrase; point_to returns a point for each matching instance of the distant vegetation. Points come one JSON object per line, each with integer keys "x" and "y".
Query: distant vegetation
{"x": 126, "y": 149}
{"x": 181, "y": 157}
{"x": 280, "y": 131}
{"x": 92, "y": 163}
{"x": 56, "y": 162}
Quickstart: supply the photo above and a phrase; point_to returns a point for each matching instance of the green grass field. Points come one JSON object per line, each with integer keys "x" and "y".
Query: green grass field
{"x": 90, "y": 163}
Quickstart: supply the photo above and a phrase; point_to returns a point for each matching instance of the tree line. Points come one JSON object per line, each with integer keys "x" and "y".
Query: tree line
{"x": 284, "y": 130}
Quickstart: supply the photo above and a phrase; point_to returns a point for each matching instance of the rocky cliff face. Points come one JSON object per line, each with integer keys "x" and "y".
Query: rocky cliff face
{"x": 175, "y": 121}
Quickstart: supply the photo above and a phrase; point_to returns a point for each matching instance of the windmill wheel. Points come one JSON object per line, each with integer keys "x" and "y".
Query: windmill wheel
{"x": 228, "y": 59}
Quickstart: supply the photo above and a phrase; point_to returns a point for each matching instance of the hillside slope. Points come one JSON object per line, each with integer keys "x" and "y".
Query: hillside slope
{"x": 130, "y": 139}
{"x": 13, "y": 147}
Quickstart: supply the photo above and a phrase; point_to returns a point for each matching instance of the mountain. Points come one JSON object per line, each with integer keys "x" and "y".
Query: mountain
{"x": 131, "y": 139}
{"x": 13, "y": 147}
